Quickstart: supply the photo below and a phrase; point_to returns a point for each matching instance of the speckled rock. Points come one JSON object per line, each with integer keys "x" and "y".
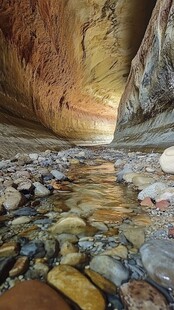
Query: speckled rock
{"x": 77, "y": 287}
{"x": 139, "y": 295}
{"x": 152, "y": 190}
{"x": 33, "y": 295}
{"x": 12, "y": 199}
{"x": 110, "y": 268}
{"x": 158, "y": 257}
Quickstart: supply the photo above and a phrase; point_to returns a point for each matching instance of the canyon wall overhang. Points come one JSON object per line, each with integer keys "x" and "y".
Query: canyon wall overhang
{"x": 65, "y": 63}
{"x": 146, "y": 111}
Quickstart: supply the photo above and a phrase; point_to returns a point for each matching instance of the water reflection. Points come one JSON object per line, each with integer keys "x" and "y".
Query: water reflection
{"x": 95, "y": 195}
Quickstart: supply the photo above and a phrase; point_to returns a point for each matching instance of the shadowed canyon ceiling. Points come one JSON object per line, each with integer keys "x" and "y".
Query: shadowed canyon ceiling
{"x": 65, "y": 63}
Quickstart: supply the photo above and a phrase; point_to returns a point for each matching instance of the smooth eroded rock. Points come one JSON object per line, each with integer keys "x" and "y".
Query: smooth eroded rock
{"x": 77, "y": 287}
{"x": 110, "y": 268}
{"x": 73, "y": 259}
{"x": 158, "y": 259}
{"x": 71, "y": 224}
{"x": 20, "y": 267}
{"x": 101, "y": 282}
{"x": 139, "y": 295}
{"x": 167, "y": 160}
{"x": 40, "y": 190}
{"x": 33, "y": 295}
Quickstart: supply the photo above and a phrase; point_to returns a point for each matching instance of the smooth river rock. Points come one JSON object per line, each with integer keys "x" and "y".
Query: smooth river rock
{"x": 71, "y": 224}
{"x": 40, "y": 190}
{"x": 167, "y": 160}
{"x": 77, "y": 287}
{"x": 104, "y": 284}
{"x": 158, "y": 259}
{"x": 32, "y": 295}
{"x": 110, "y": 268}
{"x": 139, "y": 295}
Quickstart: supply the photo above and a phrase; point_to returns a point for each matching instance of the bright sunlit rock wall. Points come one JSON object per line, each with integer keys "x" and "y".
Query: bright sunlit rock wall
{"x": 65, "y": 62}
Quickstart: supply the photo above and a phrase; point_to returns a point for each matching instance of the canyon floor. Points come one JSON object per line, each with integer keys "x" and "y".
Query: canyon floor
{"x": 86, "y": 228}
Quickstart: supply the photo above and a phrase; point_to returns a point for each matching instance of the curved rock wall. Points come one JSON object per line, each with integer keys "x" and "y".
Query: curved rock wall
{"x": 146, "y": 110}
{"x": 66, "y": 62}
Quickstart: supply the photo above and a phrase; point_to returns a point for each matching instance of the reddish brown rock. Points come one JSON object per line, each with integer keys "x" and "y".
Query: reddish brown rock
{"x": 32, "y": 295}
{"x": 139, "y": 295}
{"x": 162, "y": 205}
{"x": 147, "y": 202}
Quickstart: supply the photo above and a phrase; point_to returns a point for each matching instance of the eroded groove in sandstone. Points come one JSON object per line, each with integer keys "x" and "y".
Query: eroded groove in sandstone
{"x": 65, "y": 63}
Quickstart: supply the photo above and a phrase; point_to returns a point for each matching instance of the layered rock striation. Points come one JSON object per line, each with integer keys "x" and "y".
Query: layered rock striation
{"x": 65, "y": 63}
{"x": 146, "y": 110}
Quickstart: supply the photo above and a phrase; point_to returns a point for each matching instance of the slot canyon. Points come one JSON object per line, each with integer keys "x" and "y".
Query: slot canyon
{"x": 86, "y": 154}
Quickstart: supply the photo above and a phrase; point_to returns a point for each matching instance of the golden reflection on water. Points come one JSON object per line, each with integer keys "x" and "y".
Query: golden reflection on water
{"x": 96, "y": 195}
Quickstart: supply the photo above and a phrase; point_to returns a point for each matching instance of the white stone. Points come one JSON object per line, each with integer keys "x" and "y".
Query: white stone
{"x": 21, "y": 220}
{"x": 167, "y": 160}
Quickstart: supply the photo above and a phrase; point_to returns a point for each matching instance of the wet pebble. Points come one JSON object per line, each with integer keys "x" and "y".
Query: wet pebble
{"x": 158, "y": 257}
{"x": 85, "y": 295}
{"x": 40, "y": 190}
{"x": 110, "y": 268}
{"x": 33, "y": 249}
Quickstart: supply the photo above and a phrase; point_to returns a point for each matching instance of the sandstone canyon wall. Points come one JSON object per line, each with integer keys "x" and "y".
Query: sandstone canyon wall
{"x": 65, "y": 63}
{"x": 146, "y": 111}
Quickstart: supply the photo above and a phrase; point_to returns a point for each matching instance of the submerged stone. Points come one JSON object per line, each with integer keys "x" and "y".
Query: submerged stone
{"x": 158, "y": 259}
{"x": 110, "y": 268}
{"x": 71, "y": 224}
